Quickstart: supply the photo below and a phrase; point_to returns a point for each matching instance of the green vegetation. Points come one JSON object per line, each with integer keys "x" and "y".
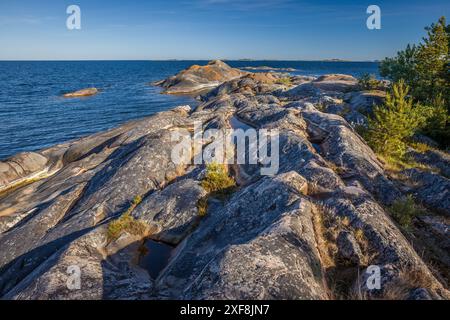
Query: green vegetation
{"x": 369, "y": 82}
{"x": 137, "y": 200}
{"x": 217, "y": 179}
{"x": 425, "y": 69}
{"x": 397, "y": 165}
{"x": 202, "y": 206}
{"x": 405, "y": 210}
{"x": 393, "y": 123}
{"x": 436, "y": 120}
{"x": 126, "y": 223}
{"x": 420, "y": 147}
{"x": 217, "y": 183}
{"x": 285, "y": 81}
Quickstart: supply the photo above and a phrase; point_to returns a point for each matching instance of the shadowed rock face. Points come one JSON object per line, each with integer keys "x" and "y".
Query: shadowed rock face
{"x": 308, "y": 232}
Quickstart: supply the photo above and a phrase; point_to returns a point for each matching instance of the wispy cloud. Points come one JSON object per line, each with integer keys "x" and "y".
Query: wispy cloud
{"x": 23, "y": 20}
{"x": 245, "y": 5}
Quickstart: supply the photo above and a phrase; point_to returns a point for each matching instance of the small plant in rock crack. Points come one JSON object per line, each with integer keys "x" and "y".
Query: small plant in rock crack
{"x": 202, "y": 206}
{"x": 127, "y": 223}
{"x": 217, "y": 180}
{"x": 217, "y": 183}
{"x": 284, "y": 81}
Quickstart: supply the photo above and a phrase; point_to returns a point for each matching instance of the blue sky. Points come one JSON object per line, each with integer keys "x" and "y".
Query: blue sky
{"x": 206, "y": 29}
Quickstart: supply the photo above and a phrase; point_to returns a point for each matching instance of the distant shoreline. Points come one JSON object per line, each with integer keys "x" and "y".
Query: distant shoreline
{"x": 187, "y": 60}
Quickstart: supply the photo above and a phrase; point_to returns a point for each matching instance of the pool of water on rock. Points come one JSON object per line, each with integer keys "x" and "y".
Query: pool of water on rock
{"x": 155, "y": 257}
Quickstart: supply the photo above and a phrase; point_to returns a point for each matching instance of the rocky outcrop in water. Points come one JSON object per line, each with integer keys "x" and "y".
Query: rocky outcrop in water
{"x": 197, "y": 79}
{"x": 310, "y": 231}
{"x": 81, "y": 93}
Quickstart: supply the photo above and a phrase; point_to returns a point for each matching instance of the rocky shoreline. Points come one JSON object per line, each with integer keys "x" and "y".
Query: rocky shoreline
{"x": 309, "y": 232}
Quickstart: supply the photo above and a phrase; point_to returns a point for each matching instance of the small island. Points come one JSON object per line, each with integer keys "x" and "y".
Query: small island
{"x": 81, "y": 93}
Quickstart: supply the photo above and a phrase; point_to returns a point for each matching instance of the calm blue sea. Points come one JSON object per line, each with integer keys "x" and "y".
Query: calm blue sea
{"x": 34, "y": 116}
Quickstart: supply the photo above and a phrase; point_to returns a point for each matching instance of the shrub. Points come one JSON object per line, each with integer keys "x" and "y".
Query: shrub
{"x": 126, "y": 223}
{"x": 405, "y": 210}
{"x": 435, "y": 121}
{"x": 216, "y": 182}
{"x": 285, "y": 81}
{"x": 217, "y": 179}
{"x": 393, "y": 123}
{"x": 369, "y": 82}
{"x": 425, "y": 68}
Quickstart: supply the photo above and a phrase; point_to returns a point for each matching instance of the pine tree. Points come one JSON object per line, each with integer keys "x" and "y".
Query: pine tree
{"x": 393, "y": 123}
{"x": 426, "y": 69}
{"x": 403, "y": 66}
{"x": 432, "y": 62}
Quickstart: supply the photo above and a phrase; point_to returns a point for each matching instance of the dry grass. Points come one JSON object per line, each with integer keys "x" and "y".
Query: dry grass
{"x": 345, "y": 221}
{"x": 359, "y": 235}
{"x": 421, "y": 147}
{"x": 397, "y": 165}
{"x": 335, "y": 168}
{"x": 202, "y": 206}
{"x": 399, "y": 289}
{"x": 407, "y": 280}
{"x": 326, "y": 248}
{"x": 340, "y": 273}
{"x": 357, "y": 294}
{"x": 361, "y": 239}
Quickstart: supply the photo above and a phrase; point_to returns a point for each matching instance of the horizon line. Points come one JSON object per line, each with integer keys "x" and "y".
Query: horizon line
{"x": 169, "y": 60}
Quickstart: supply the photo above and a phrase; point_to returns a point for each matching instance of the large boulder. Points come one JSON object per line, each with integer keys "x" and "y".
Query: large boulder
{"x": 333, "y": 85}
{"x": 250, "y": 84}
{"x": 336, "y": 83}
{"x": 197, "y": 79}
{"x": 364, "y": 101}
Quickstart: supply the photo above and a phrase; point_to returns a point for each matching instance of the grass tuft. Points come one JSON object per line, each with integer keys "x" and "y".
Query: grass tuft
{"x": 127, "y": 223}
{"x": 421, "y": 147}
{"x": 217, "y": 183}
{"x": 396, "y": 165}
{"x": 284, "y": 81}
{"x": 407, "y": 280}
{"x": 202, "y": 206}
